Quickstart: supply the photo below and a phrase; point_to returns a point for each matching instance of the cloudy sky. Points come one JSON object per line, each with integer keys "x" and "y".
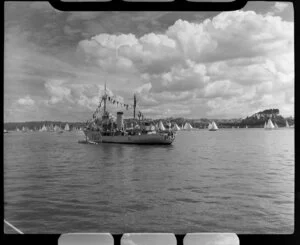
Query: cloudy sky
{"x": 189, "y": 64}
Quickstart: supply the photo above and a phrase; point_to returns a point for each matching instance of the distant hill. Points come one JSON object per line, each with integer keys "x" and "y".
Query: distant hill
{"x": 258, "y": 119}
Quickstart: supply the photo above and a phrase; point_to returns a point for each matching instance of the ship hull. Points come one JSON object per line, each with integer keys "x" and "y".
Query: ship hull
{"x": 145, "y": 139}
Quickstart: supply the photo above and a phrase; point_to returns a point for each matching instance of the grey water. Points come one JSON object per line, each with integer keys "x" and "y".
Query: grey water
{"x": 231, "y": 180}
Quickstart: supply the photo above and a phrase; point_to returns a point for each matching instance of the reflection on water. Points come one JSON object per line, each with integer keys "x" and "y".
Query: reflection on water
{"x": 227, "y": 181}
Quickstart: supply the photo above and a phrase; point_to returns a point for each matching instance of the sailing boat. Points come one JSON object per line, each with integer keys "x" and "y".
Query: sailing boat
{"x": 287, "y": 124}
{"x": 269, "y": 125}
{"x": 212, "y": 126}
{"x": 17, "y": 129}
{"x": 246, "y": 126}
{"x": 161, "y": 126}
{"x": 44, "y": 128}
{"x": 175, "y": 127}
{"x": 67, "y": 128}
{"x": 275, "y": 125}
{"x": 105, "y": 129}
{"x": 265, "y": 125}
{"x": 187, "y": 126}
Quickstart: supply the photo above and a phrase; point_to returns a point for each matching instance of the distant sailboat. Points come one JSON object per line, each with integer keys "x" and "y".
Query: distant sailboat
{"x": 43, "y": 129}
{"x": 265, "y": 125}
{"x": 175, "y": 127}
{"x": 161, "y": 126}
{"x": 17, "y": 129}
{"x": 275, "y": 125}
{"x": 270, "y": 125}
{"x": 212, "y": 126}
{"x": 67, "y": 128}
{"x": 187, "y": 126}
{"x": 287, "y": 124}
{"x": 246, "y": 126}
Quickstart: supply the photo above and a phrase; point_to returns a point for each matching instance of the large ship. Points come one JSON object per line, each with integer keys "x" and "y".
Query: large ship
{"x": 105, "y": 129}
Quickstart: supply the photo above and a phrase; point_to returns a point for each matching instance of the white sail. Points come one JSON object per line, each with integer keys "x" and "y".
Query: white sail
{"x": 246, "y": 126}
{"x": 187, "y": 126}
{"x": 265, "y": 125}
{"x": 175, "y": 127}
{"x": 44, "y": 128}
{"x": 214, "y": 125}
{"x": 67, "y": 128}
{"x": 161, "y": 126}
{"x": 270, "y": 124}
{"x": 287, "y": 124}
{"x": 275, "y": 125}
{"x": 18, "y": 129}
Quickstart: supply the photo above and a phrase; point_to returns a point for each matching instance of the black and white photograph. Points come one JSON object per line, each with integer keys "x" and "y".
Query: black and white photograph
{"x": 149, "y": 121}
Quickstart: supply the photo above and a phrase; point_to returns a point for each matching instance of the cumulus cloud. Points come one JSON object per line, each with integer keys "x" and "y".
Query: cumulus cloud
{"x": 235, "y": 56}
{"x": 26, "y": 101}
{"x": 231, "y": 63}
{"x": 280, "y": 6}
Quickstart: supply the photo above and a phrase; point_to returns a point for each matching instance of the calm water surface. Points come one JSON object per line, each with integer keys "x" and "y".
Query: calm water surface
{"x": 232, "y": 180}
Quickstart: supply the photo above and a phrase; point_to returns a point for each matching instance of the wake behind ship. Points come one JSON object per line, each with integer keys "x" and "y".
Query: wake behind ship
{"x": 105, "y": 129}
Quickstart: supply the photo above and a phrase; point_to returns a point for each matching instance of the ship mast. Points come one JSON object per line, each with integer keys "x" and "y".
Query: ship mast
{"x": 104, "y": 98}
{"x": 134, "y": 105}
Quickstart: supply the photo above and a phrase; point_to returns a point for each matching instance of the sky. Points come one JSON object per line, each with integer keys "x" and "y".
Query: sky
{"x": 179, "y": 64}
{"x": 86, "y": 239}
{"x": 211, "y": 239}
{"x": 148, "y": 239}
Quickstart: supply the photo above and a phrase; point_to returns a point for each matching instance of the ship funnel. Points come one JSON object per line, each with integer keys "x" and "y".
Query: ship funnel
{"x": 120, "y": 124}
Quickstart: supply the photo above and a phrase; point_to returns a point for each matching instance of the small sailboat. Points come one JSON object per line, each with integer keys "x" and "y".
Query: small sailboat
{"x": 287, "y": 124}
{"x": 43, "y": 129}
{"x": 67, "y": 128}
{"x": 187, "y": 126}
{"x": 265, "y": 125}
{"x": 161, "y": 126}
{"x": 175, "y": 127}
{"x": 275, "y": 125}
{"x": 246, "y": 126}
{"x": 212, "y": 126}
{"x": 17, "y": 129}
{"x": 269, "y": 125}
{"x": 51, "y": 128}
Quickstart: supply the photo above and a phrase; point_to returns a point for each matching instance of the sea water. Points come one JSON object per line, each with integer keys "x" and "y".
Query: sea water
{"x": 231, "y": 180}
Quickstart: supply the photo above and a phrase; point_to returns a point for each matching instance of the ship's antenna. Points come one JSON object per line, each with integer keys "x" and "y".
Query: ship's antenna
{"x": 104, "y": 97}
{"x": 134, "y": 105}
